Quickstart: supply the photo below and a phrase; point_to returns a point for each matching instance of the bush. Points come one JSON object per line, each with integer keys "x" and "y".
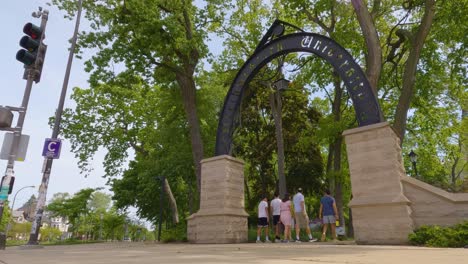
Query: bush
{"x": 436, "y": 236}
{"x": 176, "y": 233}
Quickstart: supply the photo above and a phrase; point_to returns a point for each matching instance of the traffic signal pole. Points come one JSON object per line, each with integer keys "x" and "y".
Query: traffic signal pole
{"x": 41, "y": 200}
{"x": 32, "y": 74}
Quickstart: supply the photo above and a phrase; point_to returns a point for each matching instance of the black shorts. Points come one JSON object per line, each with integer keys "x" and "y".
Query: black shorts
{"x": 262, "y": 222}
{"x": 276, "y": 219}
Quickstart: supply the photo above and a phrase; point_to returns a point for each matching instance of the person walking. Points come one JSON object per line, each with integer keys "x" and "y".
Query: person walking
{"x": 286, "y": 217}
{"x": 275, "y": 205}
{"x": 328, "y": 213}
{"x": 263, "y": 219}
{"x": 302, "y": 220}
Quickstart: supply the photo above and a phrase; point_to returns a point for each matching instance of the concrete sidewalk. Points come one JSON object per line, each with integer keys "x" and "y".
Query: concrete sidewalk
{"x": 296, "y": 253}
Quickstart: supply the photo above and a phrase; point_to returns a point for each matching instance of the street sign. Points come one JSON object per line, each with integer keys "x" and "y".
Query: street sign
{"x": 52, "y": 148}
{"x": 22, "y": 148}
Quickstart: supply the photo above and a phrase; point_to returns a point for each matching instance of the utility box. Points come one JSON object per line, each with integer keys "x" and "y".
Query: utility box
{"x": 6, "y": 117}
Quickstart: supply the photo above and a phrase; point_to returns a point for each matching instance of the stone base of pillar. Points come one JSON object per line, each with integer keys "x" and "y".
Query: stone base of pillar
{"x": 217, "y": 228}
{"x": 380, "y": 222}
{"x": 381, "y": 211}
{"x": 222, "y": 217}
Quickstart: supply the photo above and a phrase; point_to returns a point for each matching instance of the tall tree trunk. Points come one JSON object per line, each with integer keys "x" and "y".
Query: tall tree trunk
{"x": 263, "y": 178}
{"x": 409, "y": 74}
{"x": 331, "y": 177}
{"x": 172, "y": 202}
{"x": 338, "y": 179}
{"x": 350, "y": 223}
{"x": 336, "y": 111}
{"x": 247, "y": 189}
{"x": 374, "y": 52}
{"x": 188, "y": 90}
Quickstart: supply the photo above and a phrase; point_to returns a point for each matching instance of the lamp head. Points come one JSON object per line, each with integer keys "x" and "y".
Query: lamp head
{"x": 413, "y": 156}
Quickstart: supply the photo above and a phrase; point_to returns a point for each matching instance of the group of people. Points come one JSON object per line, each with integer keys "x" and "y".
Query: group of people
{"x": 294, "y": 214}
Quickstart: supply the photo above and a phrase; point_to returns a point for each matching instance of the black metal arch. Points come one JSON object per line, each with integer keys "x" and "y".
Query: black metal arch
{"x": 365, "y": 103}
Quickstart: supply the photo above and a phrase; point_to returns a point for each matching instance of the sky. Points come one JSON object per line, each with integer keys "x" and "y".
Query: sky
{"x": 65, "y": 174}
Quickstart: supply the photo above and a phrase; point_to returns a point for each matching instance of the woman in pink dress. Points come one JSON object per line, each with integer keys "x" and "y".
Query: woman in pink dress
{"x": 285, "y": 217}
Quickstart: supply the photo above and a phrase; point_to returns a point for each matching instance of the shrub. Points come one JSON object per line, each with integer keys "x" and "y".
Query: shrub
{"x": 436, "y": 236}
{"x": 176, "y": 233}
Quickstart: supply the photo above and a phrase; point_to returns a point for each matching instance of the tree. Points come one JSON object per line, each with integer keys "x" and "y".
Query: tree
{"x": 50, "y": 234}
{"x": 99, "y": 202}
{"x": 73, "y": 207}
{"x": 134, "y": 34}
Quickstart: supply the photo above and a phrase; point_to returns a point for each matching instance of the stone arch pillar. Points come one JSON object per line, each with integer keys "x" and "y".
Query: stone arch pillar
{"x": 381, "y": 211}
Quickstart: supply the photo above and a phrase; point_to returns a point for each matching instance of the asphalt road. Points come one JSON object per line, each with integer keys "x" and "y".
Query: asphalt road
{"x": 306, "y": 253}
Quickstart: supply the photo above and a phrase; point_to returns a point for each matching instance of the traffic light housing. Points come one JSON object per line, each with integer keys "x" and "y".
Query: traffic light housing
{"x": 33, "y": 52}
{"x": 10, "y": 185}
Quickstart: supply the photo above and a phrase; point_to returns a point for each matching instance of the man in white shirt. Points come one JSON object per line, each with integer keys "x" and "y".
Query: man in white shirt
{"x": 263, "y": 219}
{"x": 300, "y": 214}
{"x": 275, "y": 208}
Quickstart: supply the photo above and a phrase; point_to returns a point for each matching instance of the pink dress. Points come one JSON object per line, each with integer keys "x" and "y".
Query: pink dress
{"x": 285, "y": 213}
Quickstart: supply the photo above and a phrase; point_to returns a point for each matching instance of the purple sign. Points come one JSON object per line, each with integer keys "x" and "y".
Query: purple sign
{"x": 52, "y": 148}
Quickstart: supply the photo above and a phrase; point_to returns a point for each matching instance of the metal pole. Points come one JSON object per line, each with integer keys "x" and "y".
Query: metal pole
{"x": 280, "y": 145}
{"x": 9, "y": 173}
{"x": 415, "y": 170}
{"x": 13, "y": 208}
{"x": 161, "y": 203}
{"x": 58, "y": 117}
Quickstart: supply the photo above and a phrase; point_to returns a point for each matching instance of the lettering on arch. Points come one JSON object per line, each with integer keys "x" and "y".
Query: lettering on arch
{"x": 364, "y": 101}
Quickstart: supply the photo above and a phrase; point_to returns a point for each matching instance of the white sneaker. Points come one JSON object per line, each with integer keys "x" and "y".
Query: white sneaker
{"x": 267, "y": 241}
{"x": 258, "y": 241}
{"x": 298, "y": 241}
{"x": 312, "y": 240}
{"x": 277, "y": 240}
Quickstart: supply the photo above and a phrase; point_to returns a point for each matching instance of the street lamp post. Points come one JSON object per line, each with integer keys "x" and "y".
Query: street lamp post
{"x": 414, "y": 157}
{"x": 280, "y": 85}
{"x": 13, "y": 208}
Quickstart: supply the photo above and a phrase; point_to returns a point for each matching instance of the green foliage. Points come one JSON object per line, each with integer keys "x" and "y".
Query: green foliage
{"x": 73, "y": 207}
{"x": 176, "y": 233}
{"x": 20, "y": 231}
{"x": 436, "y": 236}
{"x": 6, "y": 217}
{"x": 50, "y": 234}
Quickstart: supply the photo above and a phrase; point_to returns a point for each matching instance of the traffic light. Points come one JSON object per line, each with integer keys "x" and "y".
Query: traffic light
{"x": 30, "y": 43}
{"x": 33, "y": 52}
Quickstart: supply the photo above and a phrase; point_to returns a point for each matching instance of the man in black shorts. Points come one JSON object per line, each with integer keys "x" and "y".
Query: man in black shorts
{"x": 263, "y": 219}
{"x": 275, "y": 210}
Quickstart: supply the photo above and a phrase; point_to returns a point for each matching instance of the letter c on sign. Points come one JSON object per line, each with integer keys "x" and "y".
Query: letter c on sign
{"x": 50, "y": 146}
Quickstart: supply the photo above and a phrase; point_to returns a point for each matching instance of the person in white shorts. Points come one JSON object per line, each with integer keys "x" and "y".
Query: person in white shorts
{"x": 302, "y": 220}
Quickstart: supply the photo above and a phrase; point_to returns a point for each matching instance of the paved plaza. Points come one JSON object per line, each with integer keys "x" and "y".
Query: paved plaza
{"x": 307, "y": 253}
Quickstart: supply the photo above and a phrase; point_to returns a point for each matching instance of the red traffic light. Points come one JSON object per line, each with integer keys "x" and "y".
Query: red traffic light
{"x": 29, "y": 43}
{"x": 32, "y": 30}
